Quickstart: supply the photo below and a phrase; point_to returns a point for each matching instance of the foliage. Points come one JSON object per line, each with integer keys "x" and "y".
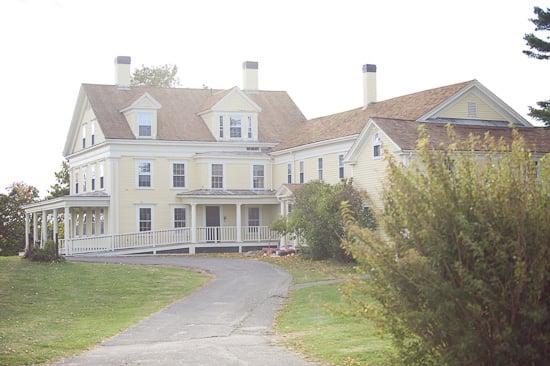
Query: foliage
{"x": 316, "y": 217}
{"x": 462, "y": 268}
{"x": 164, "y": 76}
{"x": 61, "y": 186}
{"x": 46, "y": 254}
{"x": 542, "y": 52}
{"x": 12, "y": 217}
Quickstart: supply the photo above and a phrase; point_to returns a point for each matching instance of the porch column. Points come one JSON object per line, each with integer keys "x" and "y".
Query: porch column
{"x": 34, "y": 227}
{"x": 239, "y": 228}
{"x": 27, "y": 232}
{"x": 193, "y": 223}
{"x": 66, "y": 230}
{"x": 55, "y": 227}
{"x": 44, "y": 235}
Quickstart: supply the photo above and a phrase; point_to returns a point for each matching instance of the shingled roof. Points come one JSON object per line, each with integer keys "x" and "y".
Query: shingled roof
{"x": 177, "y": 119}
{"x": 407, "y": 107}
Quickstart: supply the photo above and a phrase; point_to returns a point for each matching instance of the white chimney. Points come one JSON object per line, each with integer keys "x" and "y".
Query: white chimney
{"x": 122, "y": 71}
{"x": 369, "y": 84}
{"x": 250, "y": 75}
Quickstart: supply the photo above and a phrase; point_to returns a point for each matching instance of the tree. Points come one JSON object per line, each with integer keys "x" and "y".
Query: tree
{"x": 317, "y": 219}
{"x": 160, "y": 76}
{"x": 541, "y": 52}
{"x": 61, "y": 187}
{"x": 12, "y": 217}
{"x": 461, "y": 270}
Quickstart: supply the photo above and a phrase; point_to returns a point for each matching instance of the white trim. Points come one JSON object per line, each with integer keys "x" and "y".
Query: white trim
{"x": 210, "y": 175}
{"x": 138, "y": 218}
{"x": 171, "y": 173}
{"x": 252, "y": 165}
{"x": 137, "y": 163}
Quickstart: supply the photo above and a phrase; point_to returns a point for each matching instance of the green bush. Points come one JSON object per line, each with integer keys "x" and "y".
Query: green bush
{"x": 46, "y": 254}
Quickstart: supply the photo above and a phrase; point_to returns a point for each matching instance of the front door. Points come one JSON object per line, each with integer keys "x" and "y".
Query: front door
{"x": 212, "y": 223}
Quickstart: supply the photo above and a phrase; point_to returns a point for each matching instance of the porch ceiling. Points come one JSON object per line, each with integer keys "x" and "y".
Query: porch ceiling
{"x": 218, "y": 196}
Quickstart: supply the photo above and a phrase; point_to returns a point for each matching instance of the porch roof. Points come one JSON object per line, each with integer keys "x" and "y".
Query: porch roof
{"x": 91, "y": 199}
{"x": 226, "y": 195}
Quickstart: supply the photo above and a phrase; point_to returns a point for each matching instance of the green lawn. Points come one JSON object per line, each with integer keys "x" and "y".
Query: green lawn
{"x": 315, "y": 321}
{"x": 51, "y": 311}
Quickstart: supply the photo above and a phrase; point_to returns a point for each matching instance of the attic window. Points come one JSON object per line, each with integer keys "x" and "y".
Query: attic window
{"x": 472, "y": 109}
{"x": 145, "y": 123}
{"x": 377, "y": 145}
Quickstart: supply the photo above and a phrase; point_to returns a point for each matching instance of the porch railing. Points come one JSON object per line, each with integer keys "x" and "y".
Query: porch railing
{"x": 160, "y": 238}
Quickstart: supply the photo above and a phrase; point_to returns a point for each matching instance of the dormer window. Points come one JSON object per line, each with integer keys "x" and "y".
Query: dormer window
{"x": 145, "y": 123}
{"x": 249, "y": 128}
{"x": 235, "y": 126}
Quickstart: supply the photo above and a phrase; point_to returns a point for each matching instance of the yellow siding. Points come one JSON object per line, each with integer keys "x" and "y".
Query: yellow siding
{"x": 233, "y": 102}
{"x": 460, "y": 109}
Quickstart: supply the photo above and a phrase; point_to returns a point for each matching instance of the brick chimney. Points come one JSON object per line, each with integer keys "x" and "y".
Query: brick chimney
{"x": 369, "y": 84}
{"x": 250, "y": 76}
{"x": 122, "y": 71}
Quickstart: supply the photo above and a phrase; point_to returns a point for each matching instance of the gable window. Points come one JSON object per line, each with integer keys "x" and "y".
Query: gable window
{"x": 145, "y": 123}
{"x": 377, "y": 145}
{"x": 235, "y": 126}
{"x": 301, "y": 172}
{"x": 221, "y": 126}
{"x": 179, "y": 217}
{"x": 320, "y": 168}
{"x": 145, "y": 219}
{"x": 92, "y": 173}
{"x": 258, "y": 176}
{"x": 472, "y": 109}
{"x": 84, "y": 136}
{"x": 341, "y": 166}
{"x": 101, "y": 177}
{"x": 216, "y": 176}
{"x": 289, "y": 173}
{"x": 249, "y": 128}
{"x": 92, "y": 131}
{"x": 178, "y": 175}
{"x": 144, "y": 174}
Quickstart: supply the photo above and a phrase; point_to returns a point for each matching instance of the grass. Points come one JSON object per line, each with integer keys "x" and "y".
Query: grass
{"x": 51, "y": 311}
{"x": 315, "y": 321}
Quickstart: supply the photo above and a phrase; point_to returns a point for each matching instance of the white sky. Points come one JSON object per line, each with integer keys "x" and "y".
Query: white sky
{"x": 313, "y": 49}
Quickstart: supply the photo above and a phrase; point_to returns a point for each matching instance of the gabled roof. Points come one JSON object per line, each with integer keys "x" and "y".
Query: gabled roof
{"x": 407, "y": 107}
{"x": 178, "y": 119}
{"x": 213, "y": 102}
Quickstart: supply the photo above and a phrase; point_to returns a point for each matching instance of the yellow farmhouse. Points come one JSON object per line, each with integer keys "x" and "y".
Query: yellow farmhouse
{"x": 199, "y": 170}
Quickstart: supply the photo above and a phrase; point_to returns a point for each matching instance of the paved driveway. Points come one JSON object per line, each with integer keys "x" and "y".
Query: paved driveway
{"x": 228, "y": 322}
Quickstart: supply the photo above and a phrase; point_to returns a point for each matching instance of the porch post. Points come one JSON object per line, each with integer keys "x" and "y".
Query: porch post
{"x": 66, "y": 230}
{"x": 283, "y": 213}
{"x": 44, "y": 235}
{"x": 193, "y": 223}
{"x": 27, "y": 232}
{"x": 55, "y": 227}
{"x": 34, "y": 227}
{"x": 239, "y": 228}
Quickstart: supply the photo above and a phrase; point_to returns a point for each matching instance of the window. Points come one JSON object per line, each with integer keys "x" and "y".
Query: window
{"x": 472, "y": 109}
{"x": 235, "y": 126}
{"x": 217, "y": 176}
{"x": 258, "y": 177}
{"x": 93, "y": 222}
{"x": 144, "y": 174}
{"x": 92, "y": 173}
{"x": 301, "y": 172}
{"x": 221, "y": 126}
{"x": 178, "y": 175}
{"x": 76, "y": 178}
{"x": 289, "y": 173}
{"x": 341, "y": 166}
{"x": 377, "y": 145}
{"x": 92, "y": 131}
{"x": 84, "y": 179}
{"x": 101, "y": 222}
{"x": 320, "y": 168}
{"x": 253, "y": 216}
{"x": 145, "y": 123}
{"x": 179, "y": 217}
{"x": 145, "y": 219}
{"x": 249, "y": 127}
{"x": 84, "y": 136}
{"x": 101, "y": 178}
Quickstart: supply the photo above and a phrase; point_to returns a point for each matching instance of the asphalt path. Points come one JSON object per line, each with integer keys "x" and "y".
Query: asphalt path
{"x": 227, "y": 322}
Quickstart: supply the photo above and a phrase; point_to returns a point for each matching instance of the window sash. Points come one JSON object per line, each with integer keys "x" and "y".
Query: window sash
{"x": 145, "y": 219}
{"x": 217, "y": 176}
{"x": 258, "y": 177}
{"x": 145, "y": 123}
{"x": 179, "y": 217}
{"x": 144, "y": 174}
{"x": 235, "y": 127}
{"x": 178, "y": 175}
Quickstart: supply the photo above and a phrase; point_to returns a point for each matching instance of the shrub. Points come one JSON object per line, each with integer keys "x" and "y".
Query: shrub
{"x": 46, "y": 254}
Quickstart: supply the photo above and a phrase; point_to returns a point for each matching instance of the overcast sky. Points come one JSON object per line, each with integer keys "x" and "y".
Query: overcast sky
{"x": 314, "y": 50}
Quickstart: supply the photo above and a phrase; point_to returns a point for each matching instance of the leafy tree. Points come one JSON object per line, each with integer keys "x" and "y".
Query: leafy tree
{"x": 541, "y": 52}
{"x": 317, "y": 219}
{"x": 12, "y": 217}
{"x": 61, "y": 187}
{"x": 462, "y": 268}
{"x": 164, "y": 76}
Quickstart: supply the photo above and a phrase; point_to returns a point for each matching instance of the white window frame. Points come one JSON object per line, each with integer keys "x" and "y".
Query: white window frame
{"x": 289, "y": 173}
{"x": 101, "y": 176}
{"x": 233, "y": 128}
{"x": 84, "y": 136}
{"x": 210, "y": 178}
{"x": 139, "y": 219}
{"x": 320, "y": 165}
{"x": 84, "y": 180}
{"x": 76, "y": 181}
{"x": 249, "y": 127}
{"x": 101, "y": 221}
{"x": 92, "y": 178}
{"x": 92, "y": 134}
{"x": 376, "y": 146}
{"x": 139, "y": 173}
{"x": 145, "y": 122}
{"x": 302, "y": 172}
{"x": 185, "y": 214}
{"x": 341, "y": 171}
{"x": 172, "y": 176}
{"x": 257, "y": 179}
{"x": 221, "y": 127}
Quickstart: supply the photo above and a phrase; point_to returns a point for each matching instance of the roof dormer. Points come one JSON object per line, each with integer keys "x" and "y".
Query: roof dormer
{"x": 142, "y": 116}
